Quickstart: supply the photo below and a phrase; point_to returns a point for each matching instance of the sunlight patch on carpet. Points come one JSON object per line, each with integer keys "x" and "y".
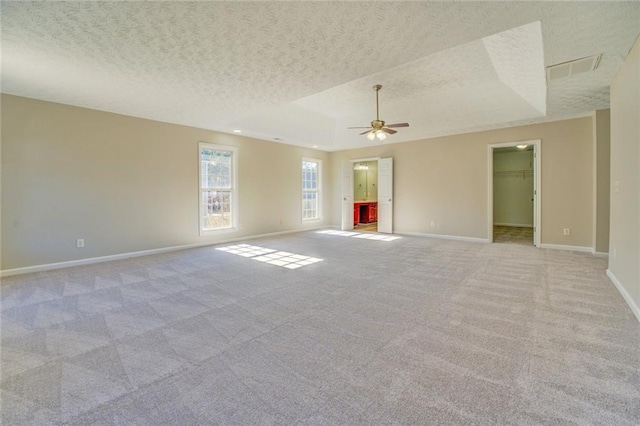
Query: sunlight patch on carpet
{"x": 270, "y": 256}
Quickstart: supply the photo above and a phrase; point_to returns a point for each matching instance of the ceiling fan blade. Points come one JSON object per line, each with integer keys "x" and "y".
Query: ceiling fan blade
{"x": 384, "y": 129}
{"x": 398, "y": 125}
{"x": 359, "y": 127}
{"x": 364, "y": 133}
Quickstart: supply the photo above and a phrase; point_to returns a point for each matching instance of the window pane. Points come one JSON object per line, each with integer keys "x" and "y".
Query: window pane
{"x": 309, "y": 175}
{"x": 215, "y": 168}
{"x": 216, "y": 209}
{"x": 309, "y": 205}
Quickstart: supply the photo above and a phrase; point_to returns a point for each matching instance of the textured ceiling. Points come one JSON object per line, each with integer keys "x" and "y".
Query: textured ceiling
{"x": 303, "y": 71}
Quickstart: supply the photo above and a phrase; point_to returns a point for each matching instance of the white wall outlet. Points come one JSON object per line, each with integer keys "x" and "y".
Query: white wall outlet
{"x": 433, "y": 223}
{"x": 566, "y": 231}
{"x": 80, "y": 243}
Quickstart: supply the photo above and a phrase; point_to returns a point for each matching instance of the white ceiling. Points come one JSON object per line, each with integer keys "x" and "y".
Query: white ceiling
{"x": 304, "y": 71}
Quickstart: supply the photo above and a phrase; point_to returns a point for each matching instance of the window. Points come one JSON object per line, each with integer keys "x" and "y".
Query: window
{"x": 218, "y": 195}
{"x": 311, "y": 172}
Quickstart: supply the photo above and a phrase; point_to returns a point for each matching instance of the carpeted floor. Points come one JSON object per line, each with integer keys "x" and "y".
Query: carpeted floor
{"x": 410, "y": 331}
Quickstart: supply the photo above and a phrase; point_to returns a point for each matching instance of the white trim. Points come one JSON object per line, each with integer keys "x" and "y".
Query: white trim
{"x": 537, "y": 173}
{"x": 627, "y": 298}
{"x": 514, "y": 143}
{"x": 568, "y": 248}
{"x": 594, "y": 183}
{"x": 446, "y": 237}
{"x": 537, "y": 152}
{"x": 582, "y": 249}
{"x": 490, "y": 193}
{"x": 110, "y": 258}
{"x": 364, "y": 160}
{"x": 514, "y": 225}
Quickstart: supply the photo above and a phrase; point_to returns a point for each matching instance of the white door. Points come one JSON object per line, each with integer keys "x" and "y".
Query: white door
{"x": 347, "y": 195}
{"x": 535, "y": 195}
{"x": 385, "y": 195}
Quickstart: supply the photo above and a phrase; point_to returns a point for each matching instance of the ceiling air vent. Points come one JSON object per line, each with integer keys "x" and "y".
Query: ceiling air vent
{"x": 577, "y": 66}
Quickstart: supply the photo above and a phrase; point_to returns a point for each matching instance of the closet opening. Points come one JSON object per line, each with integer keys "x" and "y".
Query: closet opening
{"x": 514, "y": 183}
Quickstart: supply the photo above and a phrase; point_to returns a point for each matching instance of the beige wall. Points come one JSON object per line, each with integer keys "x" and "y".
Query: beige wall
{"x": 445, "y": 180}
{"x": 602, "y": 139}
{"x": 126, "y": 184}
{"x": 624, "y": 236}
{"x": 513, "y": 187}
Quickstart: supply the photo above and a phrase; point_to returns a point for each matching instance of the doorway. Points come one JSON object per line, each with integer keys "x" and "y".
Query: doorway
{"x": 367, "y": 195}
{"x": 514, "y": 193}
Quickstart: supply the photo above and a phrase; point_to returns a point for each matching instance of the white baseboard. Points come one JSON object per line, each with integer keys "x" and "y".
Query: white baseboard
{"x": 101, "y": 259}
{"x": 515, "y": 225}
{"x": 575, "y": 248}
{"x": 445, "y": 237}
{"x": 634, "y": 308}
{"x": 567, "y": 248}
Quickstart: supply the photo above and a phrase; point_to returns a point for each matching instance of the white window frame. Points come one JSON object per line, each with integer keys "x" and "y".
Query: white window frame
{"x": 318, "y": 191}
{"x": 234, "y": 189}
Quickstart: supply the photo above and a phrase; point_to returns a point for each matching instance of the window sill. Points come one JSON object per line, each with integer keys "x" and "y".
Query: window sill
{"x": 218, "y": 231}
{"x": 311, "y": 220}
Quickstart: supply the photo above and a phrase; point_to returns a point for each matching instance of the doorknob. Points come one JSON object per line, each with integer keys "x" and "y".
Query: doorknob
{"x": 345, "y": 198}
{"x": 389, "y": 199}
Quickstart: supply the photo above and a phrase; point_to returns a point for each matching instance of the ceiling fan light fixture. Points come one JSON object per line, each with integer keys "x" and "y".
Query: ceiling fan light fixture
{"x": 371, "y": 136}
{"x": 380, "y": 135}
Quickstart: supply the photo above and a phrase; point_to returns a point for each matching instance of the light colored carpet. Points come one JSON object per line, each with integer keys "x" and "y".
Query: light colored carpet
{"x": 411, "y": 331}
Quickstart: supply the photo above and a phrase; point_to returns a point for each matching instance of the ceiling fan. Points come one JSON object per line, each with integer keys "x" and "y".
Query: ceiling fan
{"x": 378, "y": 128}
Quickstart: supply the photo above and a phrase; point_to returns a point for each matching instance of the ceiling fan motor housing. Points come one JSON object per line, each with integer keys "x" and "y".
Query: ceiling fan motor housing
{"x": 377, "y": 124}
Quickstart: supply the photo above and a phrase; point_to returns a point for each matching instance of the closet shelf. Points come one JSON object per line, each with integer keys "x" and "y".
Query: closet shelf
{"x": 513, "y": 173}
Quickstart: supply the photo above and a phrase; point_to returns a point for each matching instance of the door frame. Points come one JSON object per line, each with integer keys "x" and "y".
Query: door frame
{"x": 537, "y": 176}
{"x": 358, "y": 160}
